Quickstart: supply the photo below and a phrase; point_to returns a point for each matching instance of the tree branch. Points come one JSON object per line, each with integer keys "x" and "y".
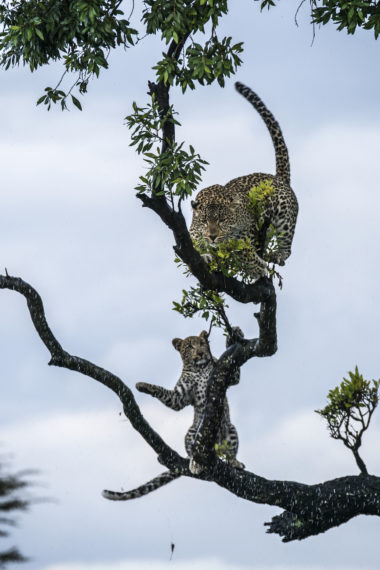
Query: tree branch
{"x": 309, "y": 509}
{"x": 257, "y": 292}
{"x": 59, "y": 357}
{"x": 220, "y": 379}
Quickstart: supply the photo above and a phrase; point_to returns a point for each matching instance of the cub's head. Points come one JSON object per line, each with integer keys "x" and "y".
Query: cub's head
{"x": 194, "y": 350}
{"x": 216, "y": 215}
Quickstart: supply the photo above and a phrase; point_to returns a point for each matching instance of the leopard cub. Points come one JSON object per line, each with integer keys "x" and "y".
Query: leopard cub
{"x": 191, "y": 390}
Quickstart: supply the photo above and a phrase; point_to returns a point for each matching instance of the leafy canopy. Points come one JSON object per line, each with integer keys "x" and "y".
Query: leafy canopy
{"x": 348, "y": 15}
{"x": 81, "y": 34}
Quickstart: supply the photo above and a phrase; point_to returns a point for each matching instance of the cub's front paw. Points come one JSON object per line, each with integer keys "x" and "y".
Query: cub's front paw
{"x": 144, "y": 387}
{"x": 237, "y": 464}
{"x": 237, "y": 334}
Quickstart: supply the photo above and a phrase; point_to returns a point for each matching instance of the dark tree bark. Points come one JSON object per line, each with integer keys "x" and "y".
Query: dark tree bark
{"x": 308, "y": 509}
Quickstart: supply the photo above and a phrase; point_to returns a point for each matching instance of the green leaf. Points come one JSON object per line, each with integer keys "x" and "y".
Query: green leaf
{"x": 39, "y": 34}
{"x": 76, "y": 102}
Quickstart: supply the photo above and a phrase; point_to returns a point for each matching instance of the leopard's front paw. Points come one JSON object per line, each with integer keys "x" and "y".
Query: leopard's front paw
{"x": 277, "y": 258}
{"x": 195, "y": 468}
{"x": 237, "y": 334}
{"x": 237, "y": 464}
{"x": 144, "y": 387}
{"x": 207, "y": 257}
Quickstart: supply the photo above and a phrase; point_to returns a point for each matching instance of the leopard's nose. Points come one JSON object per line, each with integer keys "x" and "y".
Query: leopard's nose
{"x": 213, "y": 236}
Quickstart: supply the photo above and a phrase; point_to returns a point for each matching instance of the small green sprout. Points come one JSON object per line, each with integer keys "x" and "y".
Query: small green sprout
{"x": 223, "y": 451}
{"x": 258, "y": 195}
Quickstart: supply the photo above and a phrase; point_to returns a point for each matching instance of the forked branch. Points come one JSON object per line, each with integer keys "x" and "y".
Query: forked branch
{"x": 309, "y": 509}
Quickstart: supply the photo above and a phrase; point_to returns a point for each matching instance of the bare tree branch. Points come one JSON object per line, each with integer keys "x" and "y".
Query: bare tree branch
{"x": 59, "y": 357}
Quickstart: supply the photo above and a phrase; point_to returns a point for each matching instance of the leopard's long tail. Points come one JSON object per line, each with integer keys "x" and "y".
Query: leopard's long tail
{"x": 156, "y": 483}
{"x": 282, "y": 156}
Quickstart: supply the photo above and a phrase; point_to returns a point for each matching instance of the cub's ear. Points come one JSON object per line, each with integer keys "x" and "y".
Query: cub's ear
{"x": 204, "y": 334}
{"x": 177, "y": 343}
{"x": 194, "y": 204}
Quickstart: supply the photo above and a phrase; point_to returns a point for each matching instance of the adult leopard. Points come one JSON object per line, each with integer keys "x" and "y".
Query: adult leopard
{"x": 222, "y": 213}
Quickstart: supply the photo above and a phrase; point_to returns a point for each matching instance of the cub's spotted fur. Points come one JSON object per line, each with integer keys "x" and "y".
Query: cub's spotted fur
{"x": 189, "y": 390}
{"x": 221, "y": 213}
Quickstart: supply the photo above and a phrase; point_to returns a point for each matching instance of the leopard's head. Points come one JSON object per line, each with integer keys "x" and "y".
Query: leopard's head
{"x": 217, "y": 216}
{"x": 194, "y": 350}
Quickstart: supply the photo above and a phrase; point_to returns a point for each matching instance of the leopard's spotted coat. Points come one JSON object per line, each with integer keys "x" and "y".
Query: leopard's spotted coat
{"x": 221, "y": 213}
{"x": 189, "y": 390}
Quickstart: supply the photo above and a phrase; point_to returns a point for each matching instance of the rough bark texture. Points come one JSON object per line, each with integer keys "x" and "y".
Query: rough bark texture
{"x": 308, "y": 509}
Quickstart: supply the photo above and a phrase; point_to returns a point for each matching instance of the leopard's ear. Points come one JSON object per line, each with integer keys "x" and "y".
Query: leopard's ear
{"x": 204, "y": 334}
{"x": 177, "y": 343}
{"x": 194, "y": 204}
{"x": 237, "y": 199}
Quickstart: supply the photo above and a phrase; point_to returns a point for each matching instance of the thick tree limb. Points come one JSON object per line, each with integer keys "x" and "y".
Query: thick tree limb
{"x": 234, "y": 357}
{"x": 255, "y": 293}
{"x": 308, "y": 509}
{"x": 59, "y": 357}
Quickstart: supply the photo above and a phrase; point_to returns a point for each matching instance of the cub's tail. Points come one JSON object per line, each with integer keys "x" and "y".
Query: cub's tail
{"x": 148, "y": 487}
{"x": 282, "y": 156}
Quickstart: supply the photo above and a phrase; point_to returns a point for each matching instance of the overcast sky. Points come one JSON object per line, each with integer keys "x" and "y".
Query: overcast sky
{"x": 72, "y": 227}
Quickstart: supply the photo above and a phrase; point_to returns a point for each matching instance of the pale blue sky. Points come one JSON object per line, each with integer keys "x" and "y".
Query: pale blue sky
{"x": 71, "y": 226}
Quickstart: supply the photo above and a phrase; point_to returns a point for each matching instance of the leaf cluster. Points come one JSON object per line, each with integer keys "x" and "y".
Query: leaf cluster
{"x": 257, "y": 198}
{"x": 209, "y": 304}
{"x": 172, "y": 171}
{"x": 227, "y": 257}
{"x": 224, "y": 450}
{"x": 268, "y": 240}
{"x": 177, "y": 20}
{"x": 203, "y": 64}
{"x": 348, "y": 15}
{"x": 80, "y": 32}
{"x": 350, "y": 407}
